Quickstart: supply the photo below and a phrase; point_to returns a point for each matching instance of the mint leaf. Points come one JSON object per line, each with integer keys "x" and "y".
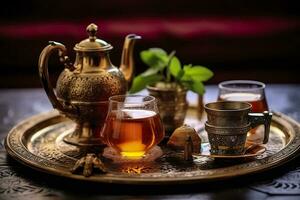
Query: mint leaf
{"x": 150, "y": 71}
{"x": 140, "y": 82}
{"x": 155, "y": 58}
{"x": 198, "y": 88}
{"x": 158, "y": 51}
{"x": 169, "y": 69}
{"x": 186, "y": 77}
{"x": 180, "y": 74}
{"x": 185, "y": 67}
{"x": 199, "y": 73}
{"x": 175, "y": 66}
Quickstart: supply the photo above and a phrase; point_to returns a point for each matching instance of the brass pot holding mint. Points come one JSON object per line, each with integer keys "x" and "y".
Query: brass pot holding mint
{"x": 172, "y": 103}
{"x": 169, "y": 81}
{"x": 83, "y": 88}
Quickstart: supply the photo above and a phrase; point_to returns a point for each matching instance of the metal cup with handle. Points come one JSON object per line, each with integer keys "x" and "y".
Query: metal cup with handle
{"x": 228, "y": 123}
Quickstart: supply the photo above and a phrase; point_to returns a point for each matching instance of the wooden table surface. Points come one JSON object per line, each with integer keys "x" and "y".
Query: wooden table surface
{"x": 20, "y": 182}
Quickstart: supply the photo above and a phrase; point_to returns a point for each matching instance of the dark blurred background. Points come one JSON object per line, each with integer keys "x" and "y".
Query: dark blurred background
{"x": 237, "y": 39}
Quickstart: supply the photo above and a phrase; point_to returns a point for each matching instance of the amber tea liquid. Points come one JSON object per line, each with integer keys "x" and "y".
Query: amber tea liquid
{"x": 133, "y": 132}
{"x": 258, "y": 102}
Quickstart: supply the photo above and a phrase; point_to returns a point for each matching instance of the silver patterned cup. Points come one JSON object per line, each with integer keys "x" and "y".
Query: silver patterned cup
{"x": 228, "y": 123}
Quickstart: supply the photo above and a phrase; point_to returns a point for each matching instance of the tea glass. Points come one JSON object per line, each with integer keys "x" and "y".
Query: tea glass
{"x": 249, "y": 91}
{"x": 252, "y": 92}
{"x": 133, "y": 125}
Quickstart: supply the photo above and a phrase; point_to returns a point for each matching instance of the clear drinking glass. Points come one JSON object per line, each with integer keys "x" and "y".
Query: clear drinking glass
{"x": 133, "y": 125}
{"x": 252, "y": 92}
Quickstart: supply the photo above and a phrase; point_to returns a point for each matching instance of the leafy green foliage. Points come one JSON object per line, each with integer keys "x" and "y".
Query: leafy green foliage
{"x": 167, "y": 67}
{"x": 198, "y": 73}
{"x": 155, "y": 58}
{"x": 175, "y": 66}
{"x": 140, "y": 82}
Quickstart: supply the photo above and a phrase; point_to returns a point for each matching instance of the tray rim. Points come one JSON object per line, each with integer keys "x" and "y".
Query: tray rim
{"x": 28, "y": 123}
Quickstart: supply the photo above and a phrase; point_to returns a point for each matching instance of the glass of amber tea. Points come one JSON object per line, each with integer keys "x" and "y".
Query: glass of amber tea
{"x": 133, "y": 125}
{"x": 252, "y": 92}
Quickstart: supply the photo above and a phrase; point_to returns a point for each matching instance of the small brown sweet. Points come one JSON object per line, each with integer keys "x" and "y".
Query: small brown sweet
{"x": 178, "y": 138}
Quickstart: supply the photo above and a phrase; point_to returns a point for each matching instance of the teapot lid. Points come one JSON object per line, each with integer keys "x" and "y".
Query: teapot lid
{"x": 92, "y": 43}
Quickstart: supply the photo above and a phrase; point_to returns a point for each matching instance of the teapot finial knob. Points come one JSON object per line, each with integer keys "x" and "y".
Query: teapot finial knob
{"x": 92, "y": 30}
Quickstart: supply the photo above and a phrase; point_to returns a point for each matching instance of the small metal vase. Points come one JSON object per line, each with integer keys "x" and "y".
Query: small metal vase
{"x": 172, "y": 105}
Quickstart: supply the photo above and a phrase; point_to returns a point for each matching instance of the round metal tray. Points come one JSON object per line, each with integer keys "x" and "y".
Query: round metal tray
{"x": 37, "y": 142}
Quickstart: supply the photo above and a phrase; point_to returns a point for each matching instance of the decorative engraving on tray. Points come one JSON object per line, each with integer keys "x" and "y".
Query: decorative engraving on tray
{"x": 49, "y": 153}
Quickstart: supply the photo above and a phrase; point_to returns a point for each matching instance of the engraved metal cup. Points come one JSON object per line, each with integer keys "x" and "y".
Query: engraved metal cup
{"x": 228, "y": 123}
{"x": 227, "y": 140}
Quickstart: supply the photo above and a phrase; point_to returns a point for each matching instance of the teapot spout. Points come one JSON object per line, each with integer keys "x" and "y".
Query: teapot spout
{"x": 127, "y": 62}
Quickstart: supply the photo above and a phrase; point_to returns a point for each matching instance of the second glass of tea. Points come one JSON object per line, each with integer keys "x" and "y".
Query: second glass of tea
{"x": 252, "y": 92}
{"x": 133, "y": 125}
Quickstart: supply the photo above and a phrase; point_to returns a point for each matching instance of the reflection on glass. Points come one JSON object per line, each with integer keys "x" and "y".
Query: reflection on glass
{"x": 133, "y": 125}
{"x": 252, "y": 92}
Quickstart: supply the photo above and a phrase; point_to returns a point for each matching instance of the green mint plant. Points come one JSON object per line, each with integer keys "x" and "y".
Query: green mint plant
{"x": 167, "y": 68}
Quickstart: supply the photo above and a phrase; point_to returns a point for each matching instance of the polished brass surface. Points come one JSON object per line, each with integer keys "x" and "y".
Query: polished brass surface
{"x": 38, "y": 143}
{"x": 172, "y": 105}
{"x": 83, "y": 88}
{"x": 251, "y": 150}
{"x": 88, "y": 163}
{"x": 127, "y": 62}
{"x": 92, "y": 44}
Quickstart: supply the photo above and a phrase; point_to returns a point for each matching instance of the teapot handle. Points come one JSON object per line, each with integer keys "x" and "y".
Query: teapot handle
{"x": 44, "y": 74}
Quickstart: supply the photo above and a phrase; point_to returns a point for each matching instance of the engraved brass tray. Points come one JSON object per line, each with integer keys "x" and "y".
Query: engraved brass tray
{"x": 37, "y": 142}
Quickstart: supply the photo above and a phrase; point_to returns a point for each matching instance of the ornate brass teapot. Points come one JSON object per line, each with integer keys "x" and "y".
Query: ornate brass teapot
{"x": 83, "y": 88}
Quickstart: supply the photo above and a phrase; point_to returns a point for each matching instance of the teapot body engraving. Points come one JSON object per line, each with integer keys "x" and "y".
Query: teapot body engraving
{"x": 83, "y": 88}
